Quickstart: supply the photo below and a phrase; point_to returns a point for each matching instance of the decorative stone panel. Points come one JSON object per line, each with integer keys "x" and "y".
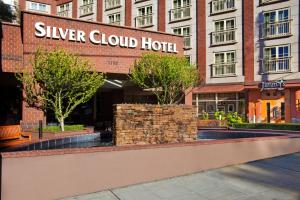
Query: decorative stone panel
{"x": 154, "y": 124}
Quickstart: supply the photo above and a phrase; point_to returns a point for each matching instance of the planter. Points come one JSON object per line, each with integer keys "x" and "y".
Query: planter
{"x": 211, "y": 123}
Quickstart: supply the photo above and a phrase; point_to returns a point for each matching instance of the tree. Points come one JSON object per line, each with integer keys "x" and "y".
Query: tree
{"x": 168, "y": 76}
{"x": 6, "y": 13}
{"x": 59, "y": 81}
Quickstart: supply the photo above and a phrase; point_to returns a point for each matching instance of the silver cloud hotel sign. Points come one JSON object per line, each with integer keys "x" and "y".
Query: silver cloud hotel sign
{"x": 98, "y": 38}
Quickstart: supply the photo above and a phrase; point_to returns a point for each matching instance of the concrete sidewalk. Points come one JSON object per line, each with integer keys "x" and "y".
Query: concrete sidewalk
{"x": 270, "y": 179}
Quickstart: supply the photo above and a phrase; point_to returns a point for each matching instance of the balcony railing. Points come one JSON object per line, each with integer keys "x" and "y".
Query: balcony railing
{"x": 274, "y": 65}
{"x": 86, "y": 9}
{"x": 187, "y": 42}
{"x": 64, "y": 13}
{"x": 223, "y": 69}
{"x": 223, "y": 37}
{"x": 115, "y": 23}
{"x": 219, "y": 6}
{"x": 269, "y": 1}
{"x": 109, "y": 4}
{"x": 276, "y": 29}
{"x": 144, "y": 21}
{"x": 181, "y": 13}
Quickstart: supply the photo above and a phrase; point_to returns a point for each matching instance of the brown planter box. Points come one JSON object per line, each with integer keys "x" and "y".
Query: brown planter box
{"x": 211, "y": 123}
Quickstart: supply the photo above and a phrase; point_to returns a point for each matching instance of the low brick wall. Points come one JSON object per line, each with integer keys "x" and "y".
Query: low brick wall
{"x": 154, "y": 124}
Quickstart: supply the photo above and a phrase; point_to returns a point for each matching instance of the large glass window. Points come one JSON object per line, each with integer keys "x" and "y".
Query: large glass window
{"x": 277, "y": 58}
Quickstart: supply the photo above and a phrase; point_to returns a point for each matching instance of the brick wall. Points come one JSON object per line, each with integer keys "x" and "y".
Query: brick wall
{"x": 154, "y": 124}
{"x": 11, "y": 47}
{"x": 104, "y": 58}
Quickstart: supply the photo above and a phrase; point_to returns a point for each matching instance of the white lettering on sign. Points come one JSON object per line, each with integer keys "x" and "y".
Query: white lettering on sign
{"x": 274, "y": 85}
{"x": 98, "y": 38}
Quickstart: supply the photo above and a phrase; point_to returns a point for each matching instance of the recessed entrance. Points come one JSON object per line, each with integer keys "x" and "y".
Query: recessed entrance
{"x": 98, "y": 111}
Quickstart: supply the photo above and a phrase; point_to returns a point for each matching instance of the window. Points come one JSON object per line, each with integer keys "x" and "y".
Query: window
{"x": 40, "y": 7}
{"x": 86, "y": 2}
{"x": 219, "y": 6}
{"x": 64, "y": 10}
{"x": 109, "y": 4}
{"x": 224, "y": 64}
{"x": 277, "y": 58}
{"x": 86, "y": 8}
{"x": 114, "y": 18}
{"x": 144, "y": 17}
{"x": 147, "y": 10}
{"x": 181, "y": 3}
{"x": 186, "y": 32}
{"x": 276, "y": 23}
{"x": 224, "y": 32}
{"x": 181, "y": 10}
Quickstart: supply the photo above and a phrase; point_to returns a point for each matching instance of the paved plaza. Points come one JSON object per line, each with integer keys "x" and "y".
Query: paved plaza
{"x": 270, "y": 179}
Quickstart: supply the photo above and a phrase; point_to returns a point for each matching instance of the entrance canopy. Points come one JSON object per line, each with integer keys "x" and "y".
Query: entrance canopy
{"x": 219, "y": 89}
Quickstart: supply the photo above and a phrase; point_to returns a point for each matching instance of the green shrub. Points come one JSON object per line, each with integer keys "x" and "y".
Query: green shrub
{"x": 204, "y": 116}
{"x": 67, "y": 128}
{"x": 233, "y": 118}
{"x": 217, "y": 115}
{"x": 292, "y": 127}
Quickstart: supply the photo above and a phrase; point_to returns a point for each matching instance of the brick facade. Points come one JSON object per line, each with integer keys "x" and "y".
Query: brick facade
{"x": 11, "y": 48}
{"x": 154, "y": 124}
{"x": 19, "y": 43}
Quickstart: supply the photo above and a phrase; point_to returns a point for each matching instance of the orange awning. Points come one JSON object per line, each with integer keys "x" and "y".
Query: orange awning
{"x": 219, "y": 89}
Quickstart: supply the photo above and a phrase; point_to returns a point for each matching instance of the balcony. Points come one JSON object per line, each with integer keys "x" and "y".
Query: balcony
{"x": 223, "y": 69}
{"x": 187, "y": 42}
{"x": 86, "y": 9}
{"x": 262, "y": 2}
{"x": 276, "y": 65}
{"x": 276, "y": 29}
{"x": 223, "y": 37}
{"x": 144, "y": 21}
{"x": 221, "y": 6}
{"x": 118, "y": 23}
{"x": 64, "y": 13}
{"x": 181, "y": 13}
{"x": 111, "y": 4}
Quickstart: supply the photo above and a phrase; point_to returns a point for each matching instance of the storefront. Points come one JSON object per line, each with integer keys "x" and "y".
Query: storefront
{"x": 110, "y": 49}
{"x": 264, "y": 102}
{"x": 274, "y": 102}
{"x": 226, "y": 98}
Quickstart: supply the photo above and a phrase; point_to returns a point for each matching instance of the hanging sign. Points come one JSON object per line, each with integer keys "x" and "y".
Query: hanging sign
{"x": 272, "y": 85}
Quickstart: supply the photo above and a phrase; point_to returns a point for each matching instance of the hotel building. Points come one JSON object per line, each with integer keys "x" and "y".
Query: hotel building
{"x": 246, "y": 51}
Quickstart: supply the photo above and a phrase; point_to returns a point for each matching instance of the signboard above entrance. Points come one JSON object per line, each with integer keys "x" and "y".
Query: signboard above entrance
{"x": 98, "y": 38}
{"x": 273, "y": 85}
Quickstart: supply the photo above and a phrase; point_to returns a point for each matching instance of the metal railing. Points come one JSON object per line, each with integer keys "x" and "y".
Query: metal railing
{"x": 277, "y": 64}
{"x": 187, "y": 41}
{"x": 223, "y": 69}
{"x": 223, "y": 37}
{"x": 219, "y": 6}
{"x": 86, "y": 9}
{"x": 144, "y": 21}
{"x": 268, "y": 1}
{"x": 180, "y": 13}
{"x": 115, "y": 23}
{"x": 109, "y": 4}
{"x": 276, "y": 29}
{"x": 64, "y": 13}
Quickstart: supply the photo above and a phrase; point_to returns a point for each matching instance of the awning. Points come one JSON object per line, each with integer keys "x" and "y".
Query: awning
{"x": 219, "y": 89}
